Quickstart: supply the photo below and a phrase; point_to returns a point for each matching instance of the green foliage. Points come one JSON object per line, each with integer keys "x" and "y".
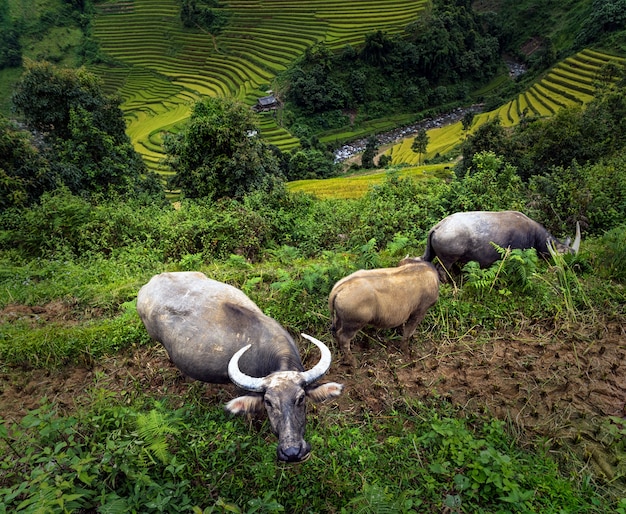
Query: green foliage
{"x": 218, "y": 154}
{"x": 204, "y": 14}
{"x": 60, "y": 472}
{"x": 569, "y": 288}
{"x": 512, "y": 273}
{"x": 442, "y": 54}
{"x": 420, "y": 458}
{"x": 64, "y": 224}
{"x": 371, "y": 148}
{"x": 374, "y": 498}
{"x": 572, "y": 135}
{"x": 46, "y": 95}
{"x": 490, "y": 184}
{"x": 84, "y": 139}
{"x": 398, "y": 206}
{"x": 594, "y": 194}
{"x": 158, "y": 429}
{"x": 489, "y": 137}
{"x": 610, "y": 258}
{"x": 420, "y": 142}
{"x": 28, "y": 344}
{"x": 24, "y": 173}
{"x": 523, "y": 20}
{"x": 301, "y": 294}
{"x": 308, "y": 163}
{"x": 604, "y": 16}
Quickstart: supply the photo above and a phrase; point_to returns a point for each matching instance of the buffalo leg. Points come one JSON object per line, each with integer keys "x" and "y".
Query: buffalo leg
{"x": 343, "y": 336}
{"x": 409, "y": 329}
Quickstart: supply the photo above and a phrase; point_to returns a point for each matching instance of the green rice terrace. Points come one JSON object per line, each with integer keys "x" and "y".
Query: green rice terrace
{"x": 571, "y": 82}
{"x": 162, "y": 67}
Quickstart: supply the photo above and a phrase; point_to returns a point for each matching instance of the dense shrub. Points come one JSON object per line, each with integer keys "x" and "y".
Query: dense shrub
{"x": 610, "y": 257}
{"x": 398, "y": 206}
{"x": 573, "y": 134}
{"x": 489, "y": 184}
{"x": 594, "y": 194}
{"x": 24, "y": 173}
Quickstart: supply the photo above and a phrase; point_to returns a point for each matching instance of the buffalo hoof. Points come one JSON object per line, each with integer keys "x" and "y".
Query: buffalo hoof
{"x": 349, "y": 360}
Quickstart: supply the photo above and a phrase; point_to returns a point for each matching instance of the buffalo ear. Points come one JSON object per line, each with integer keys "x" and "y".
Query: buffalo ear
{"x": 321, "y": 392}
{"x": 248, "y": 404}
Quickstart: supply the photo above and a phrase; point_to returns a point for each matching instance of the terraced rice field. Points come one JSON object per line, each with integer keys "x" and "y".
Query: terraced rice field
{"x": 356, "y": 186}
{"x": 163, "y": 68}
{"x": 571, "y": 82}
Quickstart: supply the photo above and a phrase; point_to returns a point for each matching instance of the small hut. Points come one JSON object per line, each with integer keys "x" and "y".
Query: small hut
{"x": 266, "y": 103}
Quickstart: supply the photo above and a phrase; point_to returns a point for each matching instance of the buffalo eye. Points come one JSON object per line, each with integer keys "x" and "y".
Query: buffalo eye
{"x": 268, "y": 404}
{"x": 299, "y": 400}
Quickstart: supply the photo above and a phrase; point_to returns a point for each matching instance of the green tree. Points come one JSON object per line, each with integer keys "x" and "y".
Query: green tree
{"x": 420, "y": 143}
{"x": 377, "y": 48}
{"x": 310, "y": 163}
{"x": 204, "y": 14}
{"x": 93, "y": 160}
{"x": 468, "y": 119}
{"x": 489, "y": 137}
{"x": 371, "y": 147}
{"x": 46, "y": 94}
{"x": 219, "y": 154}
{"x": 24, "y": 172}
{"x": 84, "y": 132}
{"x": 604, "y": 16}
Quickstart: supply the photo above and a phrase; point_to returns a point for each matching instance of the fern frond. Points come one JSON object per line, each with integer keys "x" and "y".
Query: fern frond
{"x": 153, "y": 428}
{"x": 375, "y": 499}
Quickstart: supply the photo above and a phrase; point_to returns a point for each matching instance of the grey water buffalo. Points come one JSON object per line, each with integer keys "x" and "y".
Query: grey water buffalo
{"x": 214, "y": 333}
{"x": 383, "y": 298}
{"x": 467, "y": 236}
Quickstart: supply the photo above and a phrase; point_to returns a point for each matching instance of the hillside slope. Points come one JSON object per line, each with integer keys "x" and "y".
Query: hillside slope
{"x": 163, "y": 68}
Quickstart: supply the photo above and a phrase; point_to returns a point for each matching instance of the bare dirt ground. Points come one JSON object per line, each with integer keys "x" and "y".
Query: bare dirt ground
{"x": 560, "y": 387}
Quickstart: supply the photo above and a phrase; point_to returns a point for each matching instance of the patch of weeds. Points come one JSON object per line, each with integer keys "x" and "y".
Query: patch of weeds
{"x": 54, "y": 344}
{"x": 149, "y": 457}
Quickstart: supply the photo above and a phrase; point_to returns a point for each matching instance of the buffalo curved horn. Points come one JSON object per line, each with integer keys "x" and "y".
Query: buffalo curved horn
{"x": 576, "y": 243}
{"x": 240, "y": 379}
{"x": 317, "y": 371}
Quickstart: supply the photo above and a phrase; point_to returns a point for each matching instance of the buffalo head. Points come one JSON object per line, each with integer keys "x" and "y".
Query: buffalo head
{"x": 283, "y": 394}
{"x": 566, "y": 246}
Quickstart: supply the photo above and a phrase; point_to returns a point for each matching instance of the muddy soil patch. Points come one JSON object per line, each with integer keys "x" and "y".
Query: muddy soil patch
{"x": 558, "y": 387}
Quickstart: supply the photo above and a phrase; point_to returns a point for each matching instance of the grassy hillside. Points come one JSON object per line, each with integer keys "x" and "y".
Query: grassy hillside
{"x": 510, "y": 400}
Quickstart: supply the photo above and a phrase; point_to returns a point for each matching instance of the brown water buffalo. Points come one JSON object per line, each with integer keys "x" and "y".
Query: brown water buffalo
{"x": 467, "y": 236}
{"x": 383, "y": 298}
{"x": 214, "y": 333}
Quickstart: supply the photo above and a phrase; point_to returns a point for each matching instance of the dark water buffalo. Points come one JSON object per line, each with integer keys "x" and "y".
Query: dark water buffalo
{"x": 383, "y": 298}
{"x": 467, "y": 236}
{"x": 214, "y": 333}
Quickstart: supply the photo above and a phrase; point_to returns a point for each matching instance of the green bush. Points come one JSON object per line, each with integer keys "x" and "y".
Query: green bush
{"x": 610, "y": 258}
{"x": 398, "y": 206}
